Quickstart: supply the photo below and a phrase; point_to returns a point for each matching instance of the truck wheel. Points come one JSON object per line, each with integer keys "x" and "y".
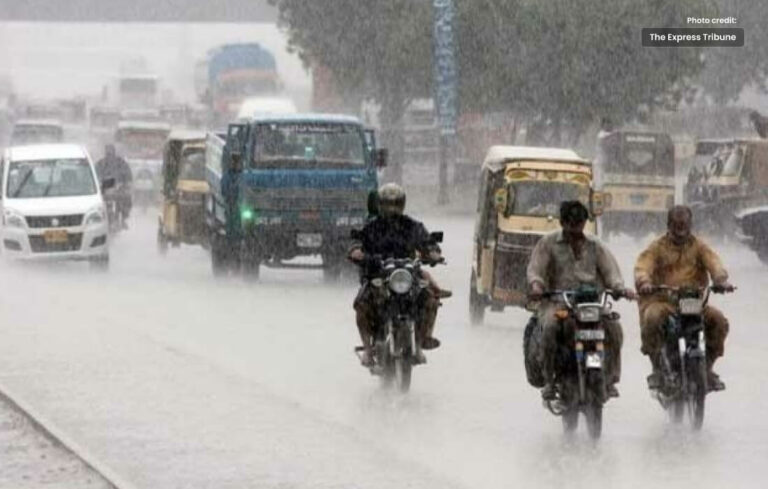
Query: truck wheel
{"x": 251, "y": 266}
{"x": 762, "y": 253}
{"x": 219, "y": 256}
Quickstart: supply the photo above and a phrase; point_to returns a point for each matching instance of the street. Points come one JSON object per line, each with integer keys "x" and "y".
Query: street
{"x": 175, "y": 379}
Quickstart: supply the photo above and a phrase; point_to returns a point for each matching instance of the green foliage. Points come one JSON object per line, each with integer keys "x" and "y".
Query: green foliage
{"x": 559, "y": 63}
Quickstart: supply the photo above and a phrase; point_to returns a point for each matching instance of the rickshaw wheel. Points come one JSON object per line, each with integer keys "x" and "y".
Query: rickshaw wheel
{"x": 162, "y": 241}
{"x": 476, "y": 303}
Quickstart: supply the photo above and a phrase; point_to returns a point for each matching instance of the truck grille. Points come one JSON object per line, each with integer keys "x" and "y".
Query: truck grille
{"x": 302, "y": 199}
{"x": 38, "y": 244}
{"x": 55, "y": 221}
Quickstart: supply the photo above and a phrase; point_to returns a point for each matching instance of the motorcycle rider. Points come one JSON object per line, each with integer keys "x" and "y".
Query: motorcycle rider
{"x": 114, "y": 166}
{"x": 393, "y": 234}
{"x": 567, "y": 259}
{"x": 679, "y": 259}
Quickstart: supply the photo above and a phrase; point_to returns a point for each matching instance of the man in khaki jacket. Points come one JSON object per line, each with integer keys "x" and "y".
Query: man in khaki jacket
{"x": 679, "y": 259}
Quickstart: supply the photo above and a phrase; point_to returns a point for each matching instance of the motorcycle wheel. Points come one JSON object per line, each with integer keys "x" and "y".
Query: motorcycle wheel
{"x": 332, "y": 267}
{"x": 570, "y": 420}
{"x": 593, "y": 411}
{"x": 386, "y": 364}
{"x": 476, "y": 306}
{"x": 697, "y": 371}
{"x": 403, "y": 369}
{"x": 676, "y": 411}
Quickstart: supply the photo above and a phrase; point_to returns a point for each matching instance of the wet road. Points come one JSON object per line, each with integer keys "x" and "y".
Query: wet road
{"x": 177, "y": 380}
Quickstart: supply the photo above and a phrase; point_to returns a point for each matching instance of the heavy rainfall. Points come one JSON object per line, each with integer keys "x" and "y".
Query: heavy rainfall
{"x": 214, "y": 272}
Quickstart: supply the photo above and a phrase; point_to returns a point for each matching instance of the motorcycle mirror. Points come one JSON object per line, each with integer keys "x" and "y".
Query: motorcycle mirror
{"x": 108, "y": 183}
{"x": 436, "y": 237}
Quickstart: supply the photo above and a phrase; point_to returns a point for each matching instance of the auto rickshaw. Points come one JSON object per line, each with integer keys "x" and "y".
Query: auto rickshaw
{"x": 184, "y": 189}
{"x": 521, "y": 189}
{"x": 636, "y": 172}
{"x": 734, "y": 179}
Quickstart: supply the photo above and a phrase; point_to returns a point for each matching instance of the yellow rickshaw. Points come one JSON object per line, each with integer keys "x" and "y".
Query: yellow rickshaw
{"x": 521, "y": 189}
{"x": 184, "y": 190}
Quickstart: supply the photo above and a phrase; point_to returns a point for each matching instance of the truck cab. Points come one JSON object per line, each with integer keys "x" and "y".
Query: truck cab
{"x": 285, "y": 186}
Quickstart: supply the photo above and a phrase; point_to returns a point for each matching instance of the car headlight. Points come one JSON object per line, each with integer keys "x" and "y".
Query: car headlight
{"x": 588, "y": 314}
{"x": 13, "y": 219}
{"x": 95, "y": 217}
{"x": 400, "y": 281}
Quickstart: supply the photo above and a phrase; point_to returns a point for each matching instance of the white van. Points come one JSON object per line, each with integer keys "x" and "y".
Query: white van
{"x": 52, "y": 205}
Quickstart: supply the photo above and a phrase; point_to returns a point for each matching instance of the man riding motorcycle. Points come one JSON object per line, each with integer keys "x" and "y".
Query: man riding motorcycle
{"x": 392, "y": 234}
{"x": 114, "y": 166}
{"x": 679, "y": 259}
{"x": 567, "y": 259}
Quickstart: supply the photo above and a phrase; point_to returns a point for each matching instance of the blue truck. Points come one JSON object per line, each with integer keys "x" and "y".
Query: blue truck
{"x": 286, "y": 186}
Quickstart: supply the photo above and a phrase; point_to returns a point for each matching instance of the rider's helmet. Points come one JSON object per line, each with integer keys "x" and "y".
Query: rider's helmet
{"x": 391, "y": 200}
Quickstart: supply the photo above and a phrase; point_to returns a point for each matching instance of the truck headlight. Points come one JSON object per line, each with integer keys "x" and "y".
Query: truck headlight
{"x": 12, "y": 219}
{"x": 400, "y": 281}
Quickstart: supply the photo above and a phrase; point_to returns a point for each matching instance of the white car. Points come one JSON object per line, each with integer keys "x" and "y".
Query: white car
{"x": 52, "y": 205}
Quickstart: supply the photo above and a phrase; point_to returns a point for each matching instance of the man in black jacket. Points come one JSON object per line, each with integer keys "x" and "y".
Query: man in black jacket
{"x": 392, "y": 234}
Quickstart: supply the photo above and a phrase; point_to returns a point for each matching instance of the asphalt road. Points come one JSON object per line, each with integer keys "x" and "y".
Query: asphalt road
{"x": 175, "y": 379}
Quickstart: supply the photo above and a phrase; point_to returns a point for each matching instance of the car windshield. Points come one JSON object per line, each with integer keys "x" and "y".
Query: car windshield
{"x": 308, "y": 144}
{"x": 142, "y": 144}
{"x": 193, "y": 166}
{"x": 538, "y": 198}
{"x": 36, "y": 134}
{"x": 50, "y": 178}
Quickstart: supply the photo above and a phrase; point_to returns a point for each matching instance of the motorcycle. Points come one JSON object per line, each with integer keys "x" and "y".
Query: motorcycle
{"x": 397, "y": 285}
{"x": 115, "y": 216}
{"x": 683, "y": 359}
{"x": 580, "y": 377}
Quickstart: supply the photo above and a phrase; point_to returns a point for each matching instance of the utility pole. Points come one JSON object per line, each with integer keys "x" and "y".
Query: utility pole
{"x": 445, "y": 82}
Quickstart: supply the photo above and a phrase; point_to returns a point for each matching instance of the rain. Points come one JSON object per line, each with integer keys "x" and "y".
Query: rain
{"x": 181, "y": 313}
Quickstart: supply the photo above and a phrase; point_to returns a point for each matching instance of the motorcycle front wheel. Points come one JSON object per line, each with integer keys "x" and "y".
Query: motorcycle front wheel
{"x": 593, "y": 411}
{"x": 697, "y": 394}
{"x": 403, "y": 369}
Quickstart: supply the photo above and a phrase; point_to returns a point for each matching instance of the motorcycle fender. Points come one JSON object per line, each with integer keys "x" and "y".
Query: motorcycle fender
{"x": 593, "y": 360}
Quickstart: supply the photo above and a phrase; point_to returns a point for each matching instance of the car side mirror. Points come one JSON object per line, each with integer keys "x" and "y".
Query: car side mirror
{"x": 108, "y": 183}
{"x": 381, "y": 157}
{"x": 436, "y": 237}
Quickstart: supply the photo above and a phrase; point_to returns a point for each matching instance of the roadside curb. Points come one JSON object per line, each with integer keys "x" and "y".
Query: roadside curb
{"x": 59, "y": 437}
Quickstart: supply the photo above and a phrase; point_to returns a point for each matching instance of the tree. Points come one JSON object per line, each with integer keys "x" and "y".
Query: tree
{"x": 376, "y": 50}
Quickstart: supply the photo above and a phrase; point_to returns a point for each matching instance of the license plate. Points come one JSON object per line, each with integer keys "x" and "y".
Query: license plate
{"x": 309, "y": 240}
{"x": 55, "y": 236}
{"x": 590, "y": 335}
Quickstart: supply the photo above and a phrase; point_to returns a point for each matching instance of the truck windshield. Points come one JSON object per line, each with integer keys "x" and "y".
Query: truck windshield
{"x": 308, "y": 145}
{"x": 50, "y": 178}
{"x": 726, "y": 163}
{"x": 537, "y": 198}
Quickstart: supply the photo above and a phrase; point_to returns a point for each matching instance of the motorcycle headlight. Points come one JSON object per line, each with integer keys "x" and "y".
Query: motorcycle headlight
{"x": 588, "y": 314}
{"x": 12, "y": 219}
{"x": 400, "y": 281}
